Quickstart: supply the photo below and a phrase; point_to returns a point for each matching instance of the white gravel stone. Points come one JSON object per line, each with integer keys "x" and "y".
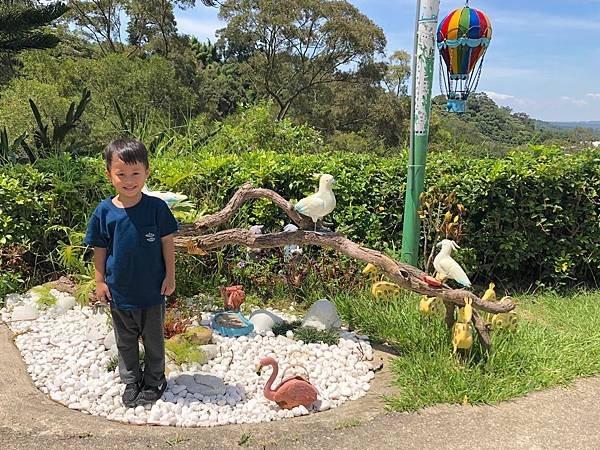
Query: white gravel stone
{"x": 67, "y": 358}
{"x": 24, "y": 312}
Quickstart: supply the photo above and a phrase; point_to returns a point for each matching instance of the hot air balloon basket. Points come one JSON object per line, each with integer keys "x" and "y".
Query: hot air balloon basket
{"x": 457, "y": 106}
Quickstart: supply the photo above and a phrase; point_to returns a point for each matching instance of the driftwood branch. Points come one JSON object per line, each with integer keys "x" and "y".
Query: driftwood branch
{"x": 192, "y": 239}
{"x": 404, "y": 275}
{"x": 245, "y": 193}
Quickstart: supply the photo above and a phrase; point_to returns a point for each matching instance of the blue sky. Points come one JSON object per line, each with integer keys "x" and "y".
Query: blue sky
{"x": 544, "y": 58}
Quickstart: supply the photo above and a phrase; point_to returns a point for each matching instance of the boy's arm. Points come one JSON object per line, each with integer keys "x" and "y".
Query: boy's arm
{"x": 168, "y": 250}
{"x": 102, "y": 291}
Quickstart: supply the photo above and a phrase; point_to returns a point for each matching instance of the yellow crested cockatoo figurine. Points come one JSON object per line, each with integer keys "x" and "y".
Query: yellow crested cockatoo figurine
{"x": 446, "y": 267}
{"x": 319, "y": 204}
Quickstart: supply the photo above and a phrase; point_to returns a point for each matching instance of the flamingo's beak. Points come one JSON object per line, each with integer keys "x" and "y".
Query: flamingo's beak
{"x": 258, "y": 369}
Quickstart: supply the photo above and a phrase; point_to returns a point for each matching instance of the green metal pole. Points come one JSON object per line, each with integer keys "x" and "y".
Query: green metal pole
{"x": 421, "y": 108}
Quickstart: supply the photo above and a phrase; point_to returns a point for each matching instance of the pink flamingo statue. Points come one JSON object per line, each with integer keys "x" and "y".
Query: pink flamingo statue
{"x": 291, "y": 392}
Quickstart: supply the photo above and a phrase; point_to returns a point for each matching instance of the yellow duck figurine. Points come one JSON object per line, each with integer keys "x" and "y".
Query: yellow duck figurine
{"x": 429, "y": 306}
{"x": 490, "y": 296}
{"x": 380, "y": 289}
{"x": 506, "y": 321}
{"x": 490, "y": 293}
{"x": 462, "y": 331}
{"x": 383, "y": 289}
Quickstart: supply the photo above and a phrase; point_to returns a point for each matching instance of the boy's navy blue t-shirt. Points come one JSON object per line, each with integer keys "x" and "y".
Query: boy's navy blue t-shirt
{"x": 135, "y": 268}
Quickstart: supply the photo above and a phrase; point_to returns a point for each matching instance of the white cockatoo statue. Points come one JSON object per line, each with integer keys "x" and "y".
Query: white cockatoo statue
{"x": 446, "y": 267}
{"x": 290, "y": 250}
{"x": 319, "y": 204}
{"x": 170, "y": 198}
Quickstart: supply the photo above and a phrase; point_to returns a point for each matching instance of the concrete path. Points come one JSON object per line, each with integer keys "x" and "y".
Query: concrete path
{"x": 556, "y": 418}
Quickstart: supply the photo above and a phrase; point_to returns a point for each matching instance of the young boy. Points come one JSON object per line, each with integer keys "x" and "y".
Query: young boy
{"x": 132, "y": 236}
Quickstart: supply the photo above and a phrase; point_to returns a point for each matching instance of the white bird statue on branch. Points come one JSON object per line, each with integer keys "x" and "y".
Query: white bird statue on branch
{"x": 319, "y": 204}
{"x": 446, "y": 267}
{"x": 170, "y": 198}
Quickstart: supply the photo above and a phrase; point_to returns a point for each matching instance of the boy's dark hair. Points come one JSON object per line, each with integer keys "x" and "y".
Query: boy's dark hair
{"x": 130, "y": 151}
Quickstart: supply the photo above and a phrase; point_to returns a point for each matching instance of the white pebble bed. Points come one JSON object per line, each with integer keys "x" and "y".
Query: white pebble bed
{"x": 67, "y": 360}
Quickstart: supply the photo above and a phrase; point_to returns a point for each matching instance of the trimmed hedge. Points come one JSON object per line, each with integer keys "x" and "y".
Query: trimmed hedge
{"x": 534, "y": 215}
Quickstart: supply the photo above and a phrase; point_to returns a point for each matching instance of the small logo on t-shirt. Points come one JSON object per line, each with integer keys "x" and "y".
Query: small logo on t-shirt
{"x": 150, "y": 237}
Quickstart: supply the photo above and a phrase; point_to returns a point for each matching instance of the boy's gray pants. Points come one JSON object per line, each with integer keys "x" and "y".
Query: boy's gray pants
{"x": 129, "y": 326}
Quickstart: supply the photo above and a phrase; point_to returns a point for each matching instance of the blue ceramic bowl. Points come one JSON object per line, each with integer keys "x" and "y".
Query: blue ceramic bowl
{"x": 231, "y": 331}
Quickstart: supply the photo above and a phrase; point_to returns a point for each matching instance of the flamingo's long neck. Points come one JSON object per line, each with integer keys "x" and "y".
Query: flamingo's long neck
{"x": 269, "y": 393}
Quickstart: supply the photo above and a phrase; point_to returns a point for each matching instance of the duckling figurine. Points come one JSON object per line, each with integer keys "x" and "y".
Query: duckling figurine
{"x": 465, "y": 313}
{"x": 462, "y": 336}
{"x": 462, "y": 330}
{"x": 383, "y": 289}
{"x": 380, "y": 288}
{"x": 429, "y": 306}
{"x": 505, "y": 321}
{"x": 490, "y": 294}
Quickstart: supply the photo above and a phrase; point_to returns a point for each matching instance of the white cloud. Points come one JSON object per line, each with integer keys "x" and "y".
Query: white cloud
{"x": 593, "y": 95}
{"x": 498, "y": 97}
{"x": 573, "y": 101}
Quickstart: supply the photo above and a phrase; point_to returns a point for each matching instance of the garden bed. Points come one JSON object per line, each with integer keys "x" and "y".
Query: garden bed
{"x": 67, "y": 359}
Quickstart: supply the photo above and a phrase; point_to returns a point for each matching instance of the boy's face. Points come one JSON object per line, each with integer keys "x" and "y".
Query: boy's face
{"x": 128, "y": 179}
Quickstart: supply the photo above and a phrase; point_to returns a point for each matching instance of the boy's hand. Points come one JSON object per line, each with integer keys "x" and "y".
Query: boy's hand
{"x": 103, "y": 293}
{"x": 168, "y": 286}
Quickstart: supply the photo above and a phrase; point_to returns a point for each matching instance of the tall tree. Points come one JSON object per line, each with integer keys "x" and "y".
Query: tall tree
{"x": 152, "y": 20}
{"x": 23, "y": 26}
{"x": 298, "y": 45}
{"x": 397, "y": 73}
{"x": 99, "y": 21}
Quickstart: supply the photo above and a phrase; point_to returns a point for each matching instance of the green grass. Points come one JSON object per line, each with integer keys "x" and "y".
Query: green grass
{"x": 557, "y": 340}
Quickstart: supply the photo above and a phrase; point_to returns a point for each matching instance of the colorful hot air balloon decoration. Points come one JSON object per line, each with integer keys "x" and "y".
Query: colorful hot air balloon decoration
{"x": 463, "y": 37}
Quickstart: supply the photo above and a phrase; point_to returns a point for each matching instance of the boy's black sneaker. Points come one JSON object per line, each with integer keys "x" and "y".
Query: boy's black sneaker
{"x": 131, "y": 394}
{"x": 149, "y": 394}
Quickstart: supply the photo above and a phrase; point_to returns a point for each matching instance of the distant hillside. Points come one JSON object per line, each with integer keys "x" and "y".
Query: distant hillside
{"x": 592, "y": 125}
{"x": 592, "y": 128}
{"x": 488, "y": 125}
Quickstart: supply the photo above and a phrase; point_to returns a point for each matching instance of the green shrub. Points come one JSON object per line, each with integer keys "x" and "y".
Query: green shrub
{"x": 533, "y": 215}
{"x": 15, "y": 112}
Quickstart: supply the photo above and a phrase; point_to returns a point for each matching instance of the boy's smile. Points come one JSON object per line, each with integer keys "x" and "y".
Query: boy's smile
{"x": 128, "y": 180}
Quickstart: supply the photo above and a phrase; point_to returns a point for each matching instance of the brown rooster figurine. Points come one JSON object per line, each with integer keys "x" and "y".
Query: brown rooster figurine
{"x": 291, "y": 392}
{"x": 233, "y": 297}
